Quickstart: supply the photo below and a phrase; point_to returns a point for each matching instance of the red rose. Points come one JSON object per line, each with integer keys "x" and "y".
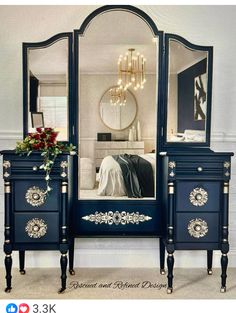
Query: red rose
{"x": 43, "y": 135}
{"x": 54, "y": 134}
{"x": 39, "y": 129}
{"x": 42, "y": 145}
{"x": 48, "y": 129}
{"x": 36, "y": 136}
{"x": 36, "y": 146}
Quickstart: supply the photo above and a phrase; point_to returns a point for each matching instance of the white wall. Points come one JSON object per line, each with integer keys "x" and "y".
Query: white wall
{"x": 207, "y": 25}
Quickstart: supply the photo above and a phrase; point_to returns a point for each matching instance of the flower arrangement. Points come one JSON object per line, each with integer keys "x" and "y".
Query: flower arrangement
{"x": 44, "y": 140}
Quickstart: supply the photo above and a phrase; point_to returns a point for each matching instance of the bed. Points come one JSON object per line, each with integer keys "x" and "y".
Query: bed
{"x": 111, "y": 180}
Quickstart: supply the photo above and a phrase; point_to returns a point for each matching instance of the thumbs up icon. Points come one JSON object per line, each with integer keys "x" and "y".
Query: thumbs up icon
{"x": 11, "y": 308}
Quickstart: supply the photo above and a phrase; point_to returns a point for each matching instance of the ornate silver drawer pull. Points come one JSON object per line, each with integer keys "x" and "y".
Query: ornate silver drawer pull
{"x": 36, "y": 228}
{"x": 197, "y": 228}
{"x": 198, "y": 197}
{"x": 35, "y": 196}
{"x": 199, "y": 169}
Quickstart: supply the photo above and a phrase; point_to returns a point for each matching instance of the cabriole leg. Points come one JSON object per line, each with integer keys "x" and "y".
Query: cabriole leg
{"x": 224, "y": 264}
{"x": 8, "y": 266}
{"x": 22, "y": 262}
{"x": 209, "y": 261}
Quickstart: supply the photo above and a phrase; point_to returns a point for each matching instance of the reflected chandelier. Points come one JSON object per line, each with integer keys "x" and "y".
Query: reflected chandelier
{"x": 131, "y": 70}
{"x": 117, "y": 96}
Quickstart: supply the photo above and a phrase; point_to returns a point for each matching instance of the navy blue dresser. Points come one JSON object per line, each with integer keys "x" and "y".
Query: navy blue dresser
{"x": 33, "y": 220}
{"x": 195, "y": 199}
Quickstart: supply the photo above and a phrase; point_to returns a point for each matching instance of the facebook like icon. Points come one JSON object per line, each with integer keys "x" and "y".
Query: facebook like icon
{"x": 11, "y": 308}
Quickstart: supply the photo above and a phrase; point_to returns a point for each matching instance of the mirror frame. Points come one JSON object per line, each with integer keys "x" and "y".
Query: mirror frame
{"x": 156, "y": 33}
{"x": 40, "y": 45}
{"x": 192, "y": 46}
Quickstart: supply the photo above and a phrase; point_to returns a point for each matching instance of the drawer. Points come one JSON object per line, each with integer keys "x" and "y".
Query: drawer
{"x": 197, "y": 227}
{"x": 36, "y": 227}
{"x": 30, "y": 167}
{"x": 200, "y": 196}
{"x": 28, "y": 196}
{"x": 198, "y": 167}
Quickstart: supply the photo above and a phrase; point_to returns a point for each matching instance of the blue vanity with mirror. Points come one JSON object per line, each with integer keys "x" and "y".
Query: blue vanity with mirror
{"x": 136, "y": 102}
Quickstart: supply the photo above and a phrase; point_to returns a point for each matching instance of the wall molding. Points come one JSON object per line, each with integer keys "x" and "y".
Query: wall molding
{"x": 11, "y": 135}
{"x": 215, "y": 137}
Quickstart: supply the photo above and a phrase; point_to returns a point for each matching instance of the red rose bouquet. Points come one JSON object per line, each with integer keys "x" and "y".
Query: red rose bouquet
{"x": 44, "y": 140}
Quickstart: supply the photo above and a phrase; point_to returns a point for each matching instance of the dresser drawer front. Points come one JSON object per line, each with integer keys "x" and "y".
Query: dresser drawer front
{"x": 197, "y": 227}
{"x": 199, "y": 168}
{"x": 199, "y": 196}
{"x": 36, "y": 227}
{"x": 28, "y": 196}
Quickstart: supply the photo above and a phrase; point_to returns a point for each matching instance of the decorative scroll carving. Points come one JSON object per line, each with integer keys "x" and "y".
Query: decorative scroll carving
{"x": 36, "y": 228}
{"x": 64, "y": 165}
{"x": 6, "y": 165}
{"x": 197, "y": 228}
{"x": 116, "y": 218}
{"x": 35, "y": 196}
{"x": 172, "y": 164}
{"x": 198, "y": 197}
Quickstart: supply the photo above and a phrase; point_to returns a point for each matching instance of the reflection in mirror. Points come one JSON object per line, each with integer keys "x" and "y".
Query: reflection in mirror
{"x": 117, "y": 108}
{"x": 187, "y": 94}
{"x": 48, "y": 87}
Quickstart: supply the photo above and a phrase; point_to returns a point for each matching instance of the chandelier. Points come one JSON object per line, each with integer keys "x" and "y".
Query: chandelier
{"x": 131, "y": 70}
{"x": 117, "y": 96}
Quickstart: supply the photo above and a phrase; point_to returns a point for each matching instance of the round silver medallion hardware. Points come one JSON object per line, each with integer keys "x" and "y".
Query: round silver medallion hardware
{"x": 36, "y": 228}
{"x": 35, "y": 168}
{"x": 197, "y": 228}
{"x": 35, "y": 196}
{"x": 198, "y": 196}
{"x": 199, "y": 169}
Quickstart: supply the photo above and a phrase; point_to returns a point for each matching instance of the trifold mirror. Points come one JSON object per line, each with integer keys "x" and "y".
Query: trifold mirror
{"x": 133, "y": 96}
{"x": 118, "y": 90}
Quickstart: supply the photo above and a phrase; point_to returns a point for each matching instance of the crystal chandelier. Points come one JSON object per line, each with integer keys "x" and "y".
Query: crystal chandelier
{"x": 117, "y": 96}
{"x": 131, "y": 70}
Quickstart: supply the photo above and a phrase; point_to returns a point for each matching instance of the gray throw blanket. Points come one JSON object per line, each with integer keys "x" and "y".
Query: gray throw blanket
{"x": 138, "y": 175}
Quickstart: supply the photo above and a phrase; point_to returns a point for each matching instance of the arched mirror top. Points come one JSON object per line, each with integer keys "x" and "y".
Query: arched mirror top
{"x": 119, "y": 8}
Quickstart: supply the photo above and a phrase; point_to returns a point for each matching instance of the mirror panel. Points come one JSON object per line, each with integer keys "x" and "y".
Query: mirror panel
{"x": 108, "y": 130}
{"x": 48, "y": 87}
{"x": 187, "y": 93}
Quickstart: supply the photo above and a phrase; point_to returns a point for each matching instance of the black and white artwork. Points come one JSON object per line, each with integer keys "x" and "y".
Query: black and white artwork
{"x": 200, "y": 103}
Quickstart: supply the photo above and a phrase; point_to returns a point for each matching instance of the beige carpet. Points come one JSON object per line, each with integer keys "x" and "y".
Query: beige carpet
{"x": 112, "y": 283}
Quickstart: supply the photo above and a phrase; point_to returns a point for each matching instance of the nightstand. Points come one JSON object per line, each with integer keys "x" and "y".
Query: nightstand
{"x": 196, "y": 206}
{"x": 33, "y": 220}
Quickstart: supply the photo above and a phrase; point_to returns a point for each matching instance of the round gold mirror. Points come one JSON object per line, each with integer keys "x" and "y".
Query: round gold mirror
{"x": 117, "y": 108}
